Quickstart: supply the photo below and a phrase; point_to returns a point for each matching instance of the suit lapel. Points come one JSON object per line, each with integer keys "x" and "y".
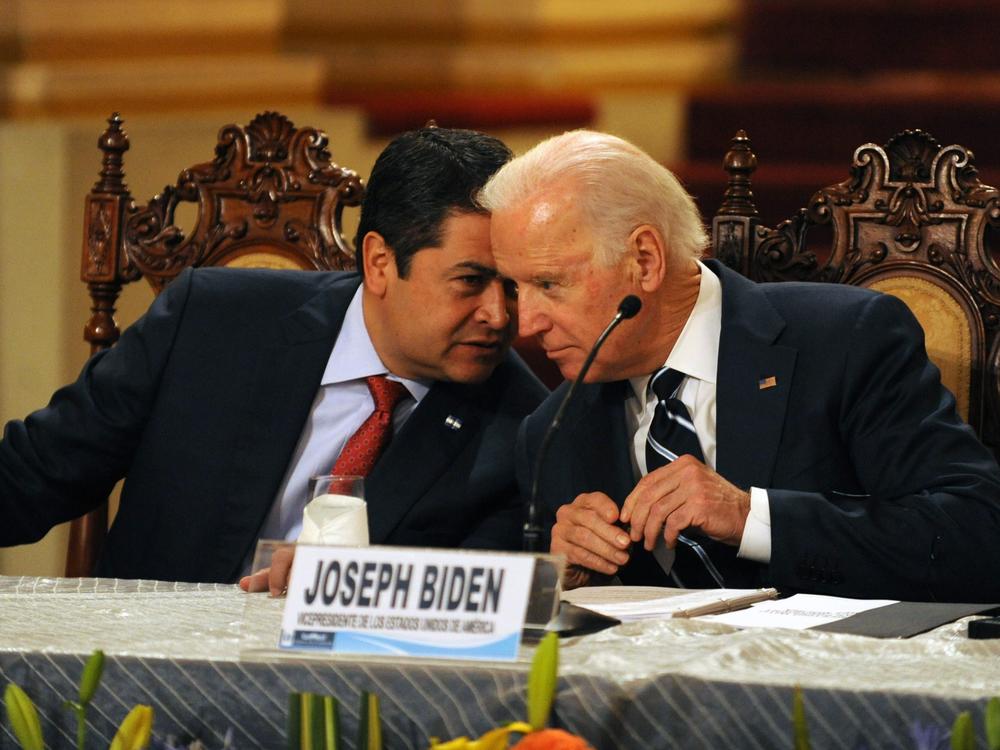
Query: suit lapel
{"x": 598, "y": 448}
{"x": 423, "y": 449}
{"x": 755, "y": 377}
{"x": 280, "y": 395}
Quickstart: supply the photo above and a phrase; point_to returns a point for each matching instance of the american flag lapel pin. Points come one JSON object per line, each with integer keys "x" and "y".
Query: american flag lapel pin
{"x": 453, "y": 423}
{"x": 769, "y": 382}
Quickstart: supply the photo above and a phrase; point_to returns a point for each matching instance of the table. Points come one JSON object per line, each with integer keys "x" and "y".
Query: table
{"x": 668, "y": 683}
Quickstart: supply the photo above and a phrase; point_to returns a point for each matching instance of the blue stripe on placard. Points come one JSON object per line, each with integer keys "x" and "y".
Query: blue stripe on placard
{"x": 363, "y": 643}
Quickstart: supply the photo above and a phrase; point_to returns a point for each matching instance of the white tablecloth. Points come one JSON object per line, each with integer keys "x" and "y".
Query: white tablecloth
{"x": 668, "y": 683}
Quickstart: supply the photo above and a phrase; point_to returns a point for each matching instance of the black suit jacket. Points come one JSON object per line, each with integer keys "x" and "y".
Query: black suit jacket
{"x": 200, "y": 406}
{"x": 876, "y": 487}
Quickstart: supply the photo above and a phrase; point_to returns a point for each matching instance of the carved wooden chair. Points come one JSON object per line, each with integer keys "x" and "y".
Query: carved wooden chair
{"x": 271, "y": 197}
{"x": 912, "y": 220}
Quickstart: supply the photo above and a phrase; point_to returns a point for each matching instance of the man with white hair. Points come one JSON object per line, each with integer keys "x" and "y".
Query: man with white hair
{"x": 732, "y": 433}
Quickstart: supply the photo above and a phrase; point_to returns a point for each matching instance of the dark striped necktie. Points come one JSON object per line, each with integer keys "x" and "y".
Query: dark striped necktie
{"x": 672, "y": 434}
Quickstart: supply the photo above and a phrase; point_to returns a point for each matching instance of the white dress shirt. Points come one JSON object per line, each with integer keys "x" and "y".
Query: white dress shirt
{"x": 343, "y": 402}
{"x": 696, "y": 354}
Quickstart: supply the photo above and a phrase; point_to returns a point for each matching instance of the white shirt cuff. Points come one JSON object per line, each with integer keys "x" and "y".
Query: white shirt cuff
{"x": 756, "y": 542}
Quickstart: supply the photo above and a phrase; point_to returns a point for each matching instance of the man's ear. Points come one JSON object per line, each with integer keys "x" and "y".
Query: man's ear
{"x": 648, "y": 252}
{"x": 379, "y": 263}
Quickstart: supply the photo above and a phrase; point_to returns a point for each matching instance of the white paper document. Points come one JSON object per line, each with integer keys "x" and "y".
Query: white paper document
{"x": 627, "y": 603}
{"x": 799, "y": 612}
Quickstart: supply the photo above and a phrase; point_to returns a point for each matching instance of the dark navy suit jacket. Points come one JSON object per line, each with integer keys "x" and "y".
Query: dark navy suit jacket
{"x": 200, "y": 406}
{"x": 876, "y": 487}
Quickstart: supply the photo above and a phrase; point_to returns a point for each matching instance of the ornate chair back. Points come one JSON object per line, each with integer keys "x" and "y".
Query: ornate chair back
{"x": 912, "y": 220}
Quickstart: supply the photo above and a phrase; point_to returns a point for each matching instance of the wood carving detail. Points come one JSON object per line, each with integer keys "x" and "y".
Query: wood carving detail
{"x": 740, "y": 162}
{"x": 908, "y": 198}
{"x": 99, "y": 237}
{"x": 910, "y": 208}
{"x": 730, "y": 239}
{"x": 269, "y": 184}
{"x": 778, "y": 253}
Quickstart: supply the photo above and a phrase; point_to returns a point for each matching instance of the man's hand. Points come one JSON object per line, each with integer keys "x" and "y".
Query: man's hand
{"x": 586, "y": 533}
{"x": 683, "y": 494}
{"x": 275, "y": 578}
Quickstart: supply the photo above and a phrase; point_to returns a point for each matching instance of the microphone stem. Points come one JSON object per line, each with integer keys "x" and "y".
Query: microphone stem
{"x": 532, "y": 531}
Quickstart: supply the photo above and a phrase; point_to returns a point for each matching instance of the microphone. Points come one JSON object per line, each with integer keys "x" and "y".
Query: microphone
{"x": 627, "y": 308}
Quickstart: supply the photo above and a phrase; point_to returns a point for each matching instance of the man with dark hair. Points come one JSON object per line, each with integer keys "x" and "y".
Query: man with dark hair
{"x": 409, "y": 198}
{"x": 238, "y": 385}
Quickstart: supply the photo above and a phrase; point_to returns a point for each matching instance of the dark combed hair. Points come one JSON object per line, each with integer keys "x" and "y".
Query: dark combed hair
{"x": 419, "y": 180}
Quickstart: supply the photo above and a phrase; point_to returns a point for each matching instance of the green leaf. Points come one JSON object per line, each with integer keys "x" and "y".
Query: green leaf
{"x": 91, "y": 677}
{"x": 993, "y": 724}
{"x": 23, "y": 718}
{"x": 542, "y": 681}
{"x": 331, "y": 723}
{"x": 313, "y": 722}
{"x": 963, "y": 737}
{"x": 309, "y": 738}
{"x": 294, "y": 726}
{"x": 370, "y": 725}
{"x": 80, "y": 712}
{"x": 318, "y": 716}
{"x": 801, "y": 729}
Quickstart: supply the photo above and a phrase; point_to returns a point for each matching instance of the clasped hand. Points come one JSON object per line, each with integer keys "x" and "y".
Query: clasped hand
{"x": 596, "y": 537}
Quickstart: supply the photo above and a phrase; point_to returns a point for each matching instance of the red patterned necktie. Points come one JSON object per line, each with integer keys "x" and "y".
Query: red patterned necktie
{"x": 365, "y": 446}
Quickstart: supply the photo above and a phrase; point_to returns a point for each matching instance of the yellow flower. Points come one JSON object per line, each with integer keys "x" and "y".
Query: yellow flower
{"x": 495, "y": 739}
{"x": 135, "y": 729}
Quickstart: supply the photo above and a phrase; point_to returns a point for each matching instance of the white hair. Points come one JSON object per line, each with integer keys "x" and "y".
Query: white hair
{"x": 618, "y": 188}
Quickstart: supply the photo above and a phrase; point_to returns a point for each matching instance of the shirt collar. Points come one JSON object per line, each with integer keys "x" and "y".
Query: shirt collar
{"x": 354, "y": 356}
{"x": 696, "y": 352}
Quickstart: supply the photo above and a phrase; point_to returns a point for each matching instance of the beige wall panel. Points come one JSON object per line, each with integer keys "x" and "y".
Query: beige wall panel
{"x": 95, "y": 87}
{"x": 33, "y": 294}
{"x": 524, "y": 16}
{"x": 87, "y": 17}
{"x": 652, "y": 120}
{"x": 550, "y": 45}
{"x": 80, "y": 29}
{"x": 553, "y": 67}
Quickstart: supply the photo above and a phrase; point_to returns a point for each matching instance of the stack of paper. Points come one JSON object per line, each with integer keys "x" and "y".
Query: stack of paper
{"x": 628, "y": 603}
{"x": 800, "y": 612}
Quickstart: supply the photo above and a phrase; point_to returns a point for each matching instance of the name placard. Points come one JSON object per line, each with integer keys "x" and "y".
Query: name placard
{"x": 384, "y": 600}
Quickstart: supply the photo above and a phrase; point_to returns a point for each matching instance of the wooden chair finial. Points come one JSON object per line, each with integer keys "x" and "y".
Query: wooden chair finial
{"x": 740, "y": 162}
{"x": 113, "y": 143}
